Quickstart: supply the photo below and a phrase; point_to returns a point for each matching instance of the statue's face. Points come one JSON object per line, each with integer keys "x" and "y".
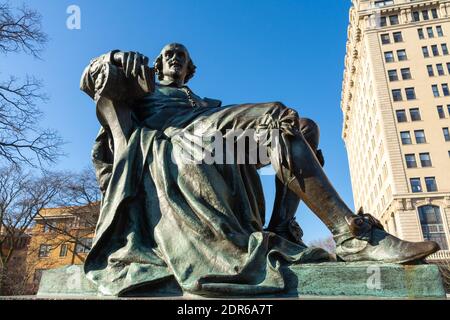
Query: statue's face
{"x": 175, "y": 61}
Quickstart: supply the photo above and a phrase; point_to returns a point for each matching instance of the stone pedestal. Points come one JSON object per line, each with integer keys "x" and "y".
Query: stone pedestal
{"x": 343, "y": 280}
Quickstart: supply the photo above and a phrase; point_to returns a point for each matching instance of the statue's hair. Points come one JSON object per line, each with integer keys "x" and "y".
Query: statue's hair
{"x": 159, "y": 67}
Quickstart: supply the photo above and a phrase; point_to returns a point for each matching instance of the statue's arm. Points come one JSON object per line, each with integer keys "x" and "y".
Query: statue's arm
{"x": 102, "y": 78}
{"x": 114, "y": 77}
{"x": 114, "y": 80}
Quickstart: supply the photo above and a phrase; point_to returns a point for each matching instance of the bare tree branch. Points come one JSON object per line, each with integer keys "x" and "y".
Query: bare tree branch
{"x": 21, "y": 31}
{"x": 80, "y": 198}
{"x": 24, "y": 200}
{"x": 22, "y": 140}
{"x": 326, "y": 243}
{"x": 22, "y": 197}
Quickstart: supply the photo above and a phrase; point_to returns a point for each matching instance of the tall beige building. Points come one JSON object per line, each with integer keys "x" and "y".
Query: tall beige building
{"x": 396, "y": 108}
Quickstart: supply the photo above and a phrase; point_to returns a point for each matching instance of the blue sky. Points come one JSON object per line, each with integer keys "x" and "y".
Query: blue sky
{"x": 246, "y": 51}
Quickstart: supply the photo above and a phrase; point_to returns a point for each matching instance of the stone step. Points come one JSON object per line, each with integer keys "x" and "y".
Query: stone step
{"x": 340, "y": 280}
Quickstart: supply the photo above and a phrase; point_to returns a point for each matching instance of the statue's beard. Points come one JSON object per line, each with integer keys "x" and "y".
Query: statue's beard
{"x": 174, "y": 73}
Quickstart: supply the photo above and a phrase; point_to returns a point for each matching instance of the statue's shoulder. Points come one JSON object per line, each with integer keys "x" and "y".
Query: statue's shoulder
{"x": 213, "y": 102}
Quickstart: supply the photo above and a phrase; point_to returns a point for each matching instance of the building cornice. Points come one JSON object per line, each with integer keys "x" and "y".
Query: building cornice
{"x": 61, "y": 216}
{"x": 408, "y": 202}
{"x": 418, "y": 196}
{"x": 401, "y": 6}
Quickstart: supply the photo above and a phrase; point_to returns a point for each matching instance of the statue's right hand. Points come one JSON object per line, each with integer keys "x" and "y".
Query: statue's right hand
{"x": 131, "y": 62}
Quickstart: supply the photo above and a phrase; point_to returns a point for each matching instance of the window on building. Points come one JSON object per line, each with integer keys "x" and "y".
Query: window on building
{"x": 420, "y": 33}
{"x": 411, "y": 160}
{"x": 385, "y": 39}
{"x": 406, "y": 137}
{"x": 425, "y": 15}
{"x": 434, "y": 13}
{"x": 393, "y": 20}
{"x": 416, "y": 186}
{"x": 435, "y": 90}
{"x": 446, "y": 134}
{"x": 425, "y": 160}
{"x": 410, "y": 93}
{"x": 415, "y": 114}
{"x": 383, "y": 22}
{"x": 431, "y": 185}
{"x": 440, "y": 69}
{"x": 430, "y": 32}
{"x": 441, "y": 113}
{"x": 445, "y": 90}
{"x": 401, "y": 54}
{"x": 448, "y": 67}
{"x": 406, "y": 73}
{"x": 44, "y": 250}
{"x": 439, "y": 31}
{"x": 397, "y": 37}
{"x": 416, "y": 16}
{"x": 389, "y": 56}
{"x": 401, "y": 116}
{"x": 430, "y": 70}
{"x": 50, "y": 226}
{"x": 84, "y": 245}
{"x": 444, "y": 49}
{"x": 420, "y": 136}
{"x": 397, "y": 95}
{"x": 432, "y": 226}
{"x": 393, "y": 75}
{"x": 448, "y": 109}
{"x": 425, "y": 52}
{"x": 382, "y": 3}
{"x": 434, "y": 49}
{"x": 63, "y": 250}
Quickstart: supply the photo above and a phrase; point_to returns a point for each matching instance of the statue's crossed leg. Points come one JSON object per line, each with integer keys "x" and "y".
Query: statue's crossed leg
{"x": 358, "y": 237}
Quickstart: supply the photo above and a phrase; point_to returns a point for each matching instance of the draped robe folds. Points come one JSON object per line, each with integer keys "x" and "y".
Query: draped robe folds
{"x": 164, "y": 220}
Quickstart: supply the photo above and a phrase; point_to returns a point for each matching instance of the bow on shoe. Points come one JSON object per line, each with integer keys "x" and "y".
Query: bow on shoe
{"x": 362, "y": 224}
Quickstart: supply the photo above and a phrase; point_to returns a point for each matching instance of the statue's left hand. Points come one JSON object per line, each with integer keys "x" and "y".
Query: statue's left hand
{"x": 131, "y": 62}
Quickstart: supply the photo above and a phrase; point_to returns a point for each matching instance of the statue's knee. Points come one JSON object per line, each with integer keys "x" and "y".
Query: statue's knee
{"x": 310, "y": 131}
{"x": 308, "y": 126}
{"x": 284, "y": 113}
{"x": 282, "y": 107}
{"x": 280, "y": 117}
{"x": 278, "y": 105}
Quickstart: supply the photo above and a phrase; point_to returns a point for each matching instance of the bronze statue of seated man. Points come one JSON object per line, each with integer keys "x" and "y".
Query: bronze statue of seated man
{"x": 202, "y": 224}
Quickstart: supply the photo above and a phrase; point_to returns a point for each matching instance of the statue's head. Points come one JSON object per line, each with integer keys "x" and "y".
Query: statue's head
{"x": 174, "y": 63}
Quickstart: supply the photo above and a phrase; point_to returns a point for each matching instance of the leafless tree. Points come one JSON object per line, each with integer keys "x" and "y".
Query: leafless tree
{"x": 22, "y": 140}
{"x": 81, "y": 189}
{"x": 80, "y": 198}
{"x": 21, "y": 30}
{"x": 18, "y": 278}
{"x": 22, "y": 197}
{"x": 326, "y": 243}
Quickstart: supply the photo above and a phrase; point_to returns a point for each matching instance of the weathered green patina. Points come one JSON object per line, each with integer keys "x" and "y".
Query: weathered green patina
{"x": 165, "y": 218}
{"x": 351, "y": 280}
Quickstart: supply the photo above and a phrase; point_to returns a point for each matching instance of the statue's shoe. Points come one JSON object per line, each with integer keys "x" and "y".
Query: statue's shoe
{"x": 366, "y": 240}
